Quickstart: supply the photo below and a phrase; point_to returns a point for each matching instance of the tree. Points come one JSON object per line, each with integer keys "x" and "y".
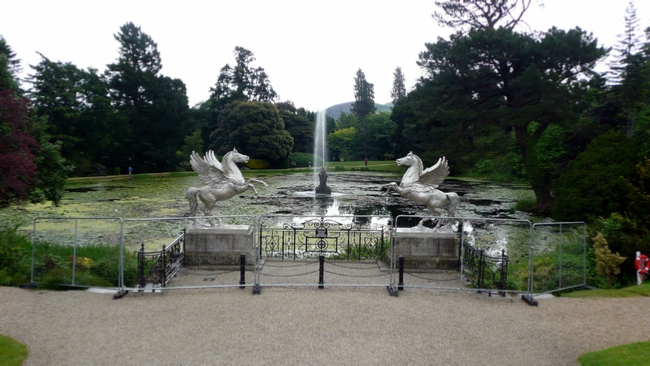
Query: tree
{"x": 10, "y": 67}
{"x": 18, "y": 149}
{"x": 399, "y": 90}
{"x": 340, "y": 143}
{"x": 255, "y": 128}
{"x": 513, "y": 79}
{"x": 31, "y": 165}
{"x": 52, "y": 168}
{"x": 155, "y": 106}
{"x": 379, "y": 128}
{"x": 592, "y": 184}
{"x": 364, "y": 96}
{"x": 629, "y": 73}
{"x": 299, "y": 127}
{"x": 241, "y": 82}
{"x": 478, "y": 14}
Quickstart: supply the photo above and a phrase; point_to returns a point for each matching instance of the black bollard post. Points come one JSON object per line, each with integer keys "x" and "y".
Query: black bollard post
{"x": 242, "y": 270}
{"x": 321, "y": 271}
{"x": 400, "y": 284}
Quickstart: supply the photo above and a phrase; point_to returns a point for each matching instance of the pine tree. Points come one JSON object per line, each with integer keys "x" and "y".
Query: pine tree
{"x": 399, "y": 90}
{"x": 627, "y": 68}
{"x": 364, "y": 95}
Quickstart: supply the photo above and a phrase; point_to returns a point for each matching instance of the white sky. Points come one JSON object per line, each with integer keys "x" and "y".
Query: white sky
{"x": 311, "y": 50}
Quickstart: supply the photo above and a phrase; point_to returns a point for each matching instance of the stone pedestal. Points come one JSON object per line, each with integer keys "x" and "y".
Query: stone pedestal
{"x": 220, "y": 245}
{"x": 427, "y": 249}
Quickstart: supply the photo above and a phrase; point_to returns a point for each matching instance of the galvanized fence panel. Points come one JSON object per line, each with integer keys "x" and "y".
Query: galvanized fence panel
{"x": 558, "y": 257}
{"x": 58, "y": 247}
{"x": 488, "y": 253}
{"x": 346, "y": 250}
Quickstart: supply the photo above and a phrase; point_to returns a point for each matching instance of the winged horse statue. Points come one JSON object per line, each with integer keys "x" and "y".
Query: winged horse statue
{"x": 223, "y": 180}
{"x": 419, "y": 185}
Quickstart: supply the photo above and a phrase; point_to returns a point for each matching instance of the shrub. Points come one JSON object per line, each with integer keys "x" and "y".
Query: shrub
{"x": 258, "y": 164}
{"x": 592, "y": 184}
{"x": 607, "y": 263}
{"x": 302, "y": 159}
{"x": 15, "y": 259}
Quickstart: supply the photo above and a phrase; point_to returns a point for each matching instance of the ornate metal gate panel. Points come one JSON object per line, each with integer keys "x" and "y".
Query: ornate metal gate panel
{"x": 324, "y": 251}
{"x": 335, "y": 237}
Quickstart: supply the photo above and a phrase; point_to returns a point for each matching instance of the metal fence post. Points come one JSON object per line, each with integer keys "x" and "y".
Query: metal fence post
{"x": 141, "y": 280}
{"x": 481, "y": 268}
{"x": 162, "y": 268}
{"x": 242, "y": 270}
{"x": 400, "y": 284}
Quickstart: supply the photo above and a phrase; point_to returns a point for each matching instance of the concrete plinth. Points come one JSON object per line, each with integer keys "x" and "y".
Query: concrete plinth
{"x": 424, "y": 248}
{"x": 219, "y": 245}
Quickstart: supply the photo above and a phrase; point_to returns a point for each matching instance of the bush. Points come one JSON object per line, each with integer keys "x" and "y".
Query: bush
{"x": 302, "y": 160}
{"x": 15, "y": 258}
{"x": 258, "y": 164}
{"x": 592, "y": 184}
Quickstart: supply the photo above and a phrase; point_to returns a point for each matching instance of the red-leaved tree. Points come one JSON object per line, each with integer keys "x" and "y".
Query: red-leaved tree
{"x": 17, "y": 148}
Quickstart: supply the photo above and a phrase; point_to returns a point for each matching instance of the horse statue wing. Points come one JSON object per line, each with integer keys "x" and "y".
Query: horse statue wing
{"x": 210, "y": 170}
{"x": 212, "y": 160}
{"x": 435, "y": 175}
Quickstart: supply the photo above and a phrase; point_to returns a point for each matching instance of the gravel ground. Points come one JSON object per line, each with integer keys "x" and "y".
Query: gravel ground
{"x": 335, "y": 325}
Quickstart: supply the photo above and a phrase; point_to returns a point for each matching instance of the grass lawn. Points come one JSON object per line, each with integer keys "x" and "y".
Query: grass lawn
{"x": 628, "y": 354}
{"x": 12, "y": 352}
{"x": 643, "y": 290}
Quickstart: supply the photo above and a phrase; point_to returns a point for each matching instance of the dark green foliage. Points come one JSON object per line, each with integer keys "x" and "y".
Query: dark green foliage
{"x": 15, "y": 256}
{"x": 241, "y": 82}
{"x": 491, "y": 78}
{"x": 399, "y": 89}
{"x": 592, "y": 185}
{"x": 299, "y": 127}
{"x": 155, "y": 106}
{"x": 303, "y": 160}
{"x": 255, "y": 129}
{"x": 364, "y": 96}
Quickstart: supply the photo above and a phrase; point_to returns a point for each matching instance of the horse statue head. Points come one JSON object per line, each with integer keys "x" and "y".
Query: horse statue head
{"x": 415, "y": 168}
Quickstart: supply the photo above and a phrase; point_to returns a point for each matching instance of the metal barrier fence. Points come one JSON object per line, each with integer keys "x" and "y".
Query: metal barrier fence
{"x": 481, "y": 261}
{"x": 324, "y": 251}
{"x": 558, "y": 259}
{"x": 73, "y": 234}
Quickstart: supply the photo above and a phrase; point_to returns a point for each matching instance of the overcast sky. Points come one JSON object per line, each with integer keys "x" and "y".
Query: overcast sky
{"x": 311, "y": 50}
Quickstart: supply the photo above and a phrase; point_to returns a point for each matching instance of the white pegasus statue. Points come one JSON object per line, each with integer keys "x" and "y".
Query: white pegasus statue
{"x": 223, "y": 180}
{"x": 419, "y": 185}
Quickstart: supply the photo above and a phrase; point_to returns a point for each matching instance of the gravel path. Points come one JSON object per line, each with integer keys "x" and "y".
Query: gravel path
{"x": 312, "y": 326}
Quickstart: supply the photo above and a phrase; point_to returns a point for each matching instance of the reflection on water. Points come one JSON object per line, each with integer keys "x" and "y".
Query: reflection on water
{"x": 343, "y": 209}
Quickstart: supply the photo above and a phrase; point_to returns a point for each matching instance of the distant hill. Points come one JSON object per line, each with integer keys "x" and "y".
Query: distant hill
{"x": 335, "y": 110}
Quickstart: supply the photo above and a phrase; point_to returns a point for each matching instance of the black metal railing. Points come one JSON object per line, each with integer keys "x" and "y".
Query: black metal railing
{"x": 314, "y": 237}
{"x": 158, "y": 267}
{"x": 483, "y": 271}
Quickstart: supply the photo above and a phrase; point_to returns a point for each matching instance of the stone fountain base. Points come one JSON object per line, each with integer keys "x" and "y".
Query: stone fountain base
{"x": 220, "y": 245}
{"x": 425, "y": 248}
